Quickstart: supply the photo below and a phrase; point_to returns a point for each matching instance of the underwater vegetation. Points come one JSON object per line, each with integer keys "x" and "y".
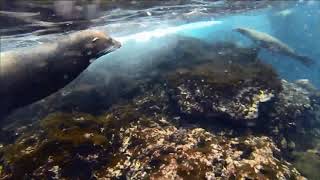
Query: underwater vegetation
{"x": 139, "y": 140}
{"x": 218, "y": 112}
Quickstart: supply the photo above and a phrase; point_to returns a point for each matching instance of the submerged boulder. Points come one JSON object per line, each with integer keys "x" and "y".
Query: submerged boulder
{"x": 56, "y": 147}
{"x": 130, "y": 141}
{"x": 294, "y": 115}
{"x": 221, "y": 90}
{"x": 171, "y": 153}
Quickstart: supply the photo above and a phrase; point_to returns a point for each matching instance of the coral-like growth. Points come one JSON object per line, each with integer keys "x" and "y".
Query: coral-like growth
{"x": 156, "y": 151}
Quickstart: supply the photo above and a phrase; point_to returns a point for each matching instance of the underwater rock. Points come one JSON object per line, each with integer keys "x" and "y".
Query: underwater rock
{"x": 138, "y": 140}
{"x": 292, "y": 113}
{"x": 306, "y": 84}
{"x": 292, "y": 101}
{"x": 172, "y": 153}
{"x": 308, "y": 163}
{"x": 89, "y": 96}
{"x": 187, "y": 52}
{"x": 296, "y": 115}
{"x": 74, "y": 145}
{"x": 293, "y": 124}
{"x": 59, "y": 145}
{"x": 231, "y": 91}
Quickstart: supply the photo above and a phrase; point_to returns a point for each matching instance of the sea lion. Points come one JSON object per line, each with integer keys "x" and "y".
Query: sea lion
{"x": 264, "y": 40}
{"x": 30, "y": 74}
{"x": 284, "y": 13}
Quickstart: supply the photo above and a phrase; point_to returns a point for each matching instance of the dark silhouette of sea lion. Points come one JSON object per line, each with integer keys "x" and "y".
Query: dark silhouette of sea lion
{"x": 264, "y": 40}
{"x": 30, "y": 74}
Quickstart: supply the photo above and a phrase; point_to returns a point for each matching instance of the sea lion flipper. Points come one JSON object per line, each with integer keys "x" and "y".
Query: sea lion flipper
{"x": 306, "y": 60}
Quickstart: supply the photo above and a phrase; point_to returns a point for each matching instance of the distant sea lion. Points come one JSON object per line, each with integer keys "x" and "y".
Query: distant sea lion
{"x": 284, "y": 13}
{"x": 9, "y": 18}
{"x": 30, "y": 74}
{"x": 264, "y": 40}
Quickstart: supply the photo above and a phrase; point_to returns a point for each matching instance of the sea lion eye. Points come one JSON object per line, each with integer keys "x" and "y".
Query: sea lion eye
{"x": 95, "y": 39}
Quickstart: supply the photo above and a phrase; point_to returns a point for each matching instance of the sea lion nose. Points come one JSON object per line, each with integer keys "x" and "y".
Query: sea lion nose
{"x": 236, "y": 29}
{"x": 116, "y": 43}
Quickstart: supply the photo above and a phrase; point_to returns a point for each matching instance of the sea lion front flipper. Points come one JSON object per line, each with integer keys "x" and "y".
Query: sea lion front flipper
{"x": 305, "y": 60}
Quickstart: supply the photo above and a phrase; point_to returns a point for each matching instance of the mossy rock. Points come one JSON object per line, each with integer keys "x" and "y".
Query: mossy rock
{"x": 61, "y": 140}
{"x": 229, "y": 91}
{"x": 75, "y": 128}
{"x": 308, "y": 163}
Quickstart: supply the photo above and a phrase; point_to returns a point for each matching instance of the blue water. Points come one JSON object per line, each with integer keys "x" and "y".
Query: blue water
{"x": 296, "y": 24}
{"x": 144, "y": 41}
{"x": 143, "y": 47}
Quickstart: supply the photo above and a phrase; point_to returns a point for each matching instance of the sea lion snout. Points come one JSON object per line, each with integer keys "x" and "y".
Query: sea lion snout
{"x": 98, "y": 43}
{"x": 240, "y": 30}
{"x": 109, "y": 47}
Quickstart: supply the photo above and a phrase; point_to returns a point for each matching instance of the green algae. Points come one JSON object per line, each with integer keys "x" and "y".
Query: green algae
{"x": 308, "y": 163}
{"x": 135, "y": 133}
{"x": 55, "y": 141}
{"x": 75, "y": 128}
{"x": 229, "y": 76}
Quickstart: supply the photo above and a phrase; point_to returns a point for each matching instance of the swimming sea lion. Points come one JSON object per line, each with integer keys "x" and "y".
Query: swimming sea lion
{"x": 284, "y": 13}
{"x": 30, "y": 74}
{"x": 264, "y": 40}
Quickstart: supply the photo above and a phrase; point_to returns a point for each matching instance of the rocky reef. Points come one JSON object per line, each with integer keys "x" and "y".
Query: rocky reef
{"x": 230, "y": 91}
{"x": 139, "y": 140}
{"x": 216, "y": 112}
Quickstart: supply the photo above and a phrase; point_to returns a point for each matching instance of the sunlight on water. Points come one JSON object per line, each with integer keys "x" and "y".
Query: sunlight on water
{"x": 147, "y": 35}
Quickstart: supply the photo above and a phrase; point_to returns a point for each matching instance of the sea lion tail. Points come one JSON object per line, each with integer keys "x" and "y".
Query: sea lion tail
{"x": 306, "y": 60}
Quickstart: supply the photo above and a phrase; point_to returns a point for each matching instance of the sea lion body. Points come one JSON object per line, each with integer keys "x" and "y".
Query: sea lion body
{"x": 30, "y": 74}
{"x": 264, "y": 40}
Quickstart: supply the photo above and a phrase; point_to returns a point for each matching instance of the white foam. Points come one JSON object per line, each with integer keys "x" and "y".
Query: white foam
{"x": 160, "y": 32}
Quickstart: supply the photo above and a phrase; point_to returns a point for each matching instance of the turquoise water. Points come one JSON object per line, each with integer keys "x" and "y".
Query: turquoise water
{"x": 295, "y": 25}
{"x": 150, "y": 109}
